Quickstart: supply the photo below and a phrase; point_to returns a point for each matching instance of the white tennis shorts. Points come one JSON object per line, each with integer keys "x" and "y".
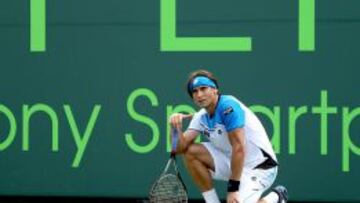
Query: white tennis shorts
{"x": 253, "y": 183}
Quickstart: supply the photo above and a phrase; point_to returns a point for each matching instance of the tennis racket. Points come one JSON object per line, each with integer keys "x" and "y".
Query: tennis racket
{"x": 169, "y": 187}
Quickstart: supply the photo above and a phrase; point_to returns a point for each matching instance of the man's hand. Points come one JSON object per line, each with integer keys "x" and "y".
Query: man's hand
{"x": 233, "y": 197}
{"x": 176, "y": 120}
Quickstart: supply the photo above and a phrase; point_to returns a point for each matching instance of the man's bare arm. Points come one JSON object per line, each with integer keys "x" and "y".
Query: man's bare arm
{"x": 185, "y": 139}
{"x": 237, "y": 140}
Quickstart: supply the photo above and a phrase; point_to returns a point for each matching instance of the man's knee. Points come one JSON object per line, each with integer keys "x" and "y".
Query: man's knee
{"x": 199, "y": 153}
{"x": 190, "y": 153}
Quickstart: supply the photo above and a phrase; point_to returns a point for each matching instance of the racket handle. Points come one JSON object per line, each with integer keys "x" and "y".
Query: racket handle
{"x": 174, "y": 140}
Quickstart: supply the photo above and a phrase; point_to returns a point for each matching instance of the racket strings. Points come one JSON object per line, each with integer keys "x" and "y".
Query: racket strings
{"x": 168, "y": 189}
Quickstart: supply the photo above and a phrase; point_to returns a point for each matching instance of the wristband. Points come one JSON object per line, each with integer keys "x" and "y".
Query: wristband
{"x": 233, "y": 185}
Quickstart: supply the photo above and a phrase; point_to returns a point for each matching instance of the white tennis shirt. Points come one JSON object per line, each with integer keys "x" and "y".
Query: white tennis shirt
{"x": 230, "y": 114}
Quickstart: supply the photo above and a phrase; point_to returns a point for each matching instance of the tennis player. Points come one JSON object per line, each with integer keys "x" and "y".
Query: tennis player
{"x": 238, "y": 149}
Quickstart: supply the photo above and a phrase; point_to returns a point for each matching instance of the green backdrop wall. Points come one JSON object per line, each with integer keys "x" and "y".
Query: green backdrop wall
{"x": 85, "y": 115}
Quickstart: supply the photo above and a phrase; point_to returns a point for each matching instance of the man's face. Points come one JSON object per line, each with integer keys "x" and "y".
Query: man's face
{"x": 204, "y": 96}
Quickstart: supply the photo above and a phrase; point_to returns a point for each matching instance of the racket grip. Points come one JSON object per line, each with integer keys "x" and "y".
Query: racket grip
{"x": 174, "y": 140}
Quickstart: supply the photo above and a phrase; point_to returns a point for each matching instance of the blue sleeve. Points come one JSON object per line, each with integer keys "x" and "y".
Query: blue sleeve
{"x": 233, "y": 116}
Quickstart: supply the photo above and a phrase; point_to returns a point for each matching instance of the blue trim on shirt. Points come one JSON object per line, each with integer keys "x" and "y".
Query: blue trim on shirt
{"x": 232, "y": 115}
{"x": 228, "y": 112}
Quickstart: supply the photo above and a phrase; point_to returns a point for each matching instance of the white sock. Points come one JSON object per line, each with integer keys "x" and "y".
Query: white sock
{"x": 272, "y": 197}
{"x": 210, "y": 196}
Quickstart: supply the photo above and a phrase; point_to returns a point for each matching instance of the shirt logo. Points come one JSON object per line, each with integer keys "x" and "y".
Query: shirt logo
{"x": 206, "y": 133}
{"x": 228, "y": 110}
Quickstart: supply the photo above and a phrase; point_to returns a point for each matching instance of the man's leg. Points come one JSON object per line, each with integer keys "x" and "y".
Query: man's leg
{"x": 198, "y": 161}
{"x": 255, "y": 182}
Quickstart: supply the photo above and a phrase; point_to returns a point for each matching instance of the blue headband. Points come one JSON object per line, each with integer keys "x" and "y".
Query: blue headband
{"x": 201, "y": 81}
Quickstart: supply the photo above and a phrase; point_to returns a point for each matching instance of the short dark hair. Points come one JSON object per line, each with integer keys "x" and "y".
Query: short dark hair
{"x": 197, "y": 73}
